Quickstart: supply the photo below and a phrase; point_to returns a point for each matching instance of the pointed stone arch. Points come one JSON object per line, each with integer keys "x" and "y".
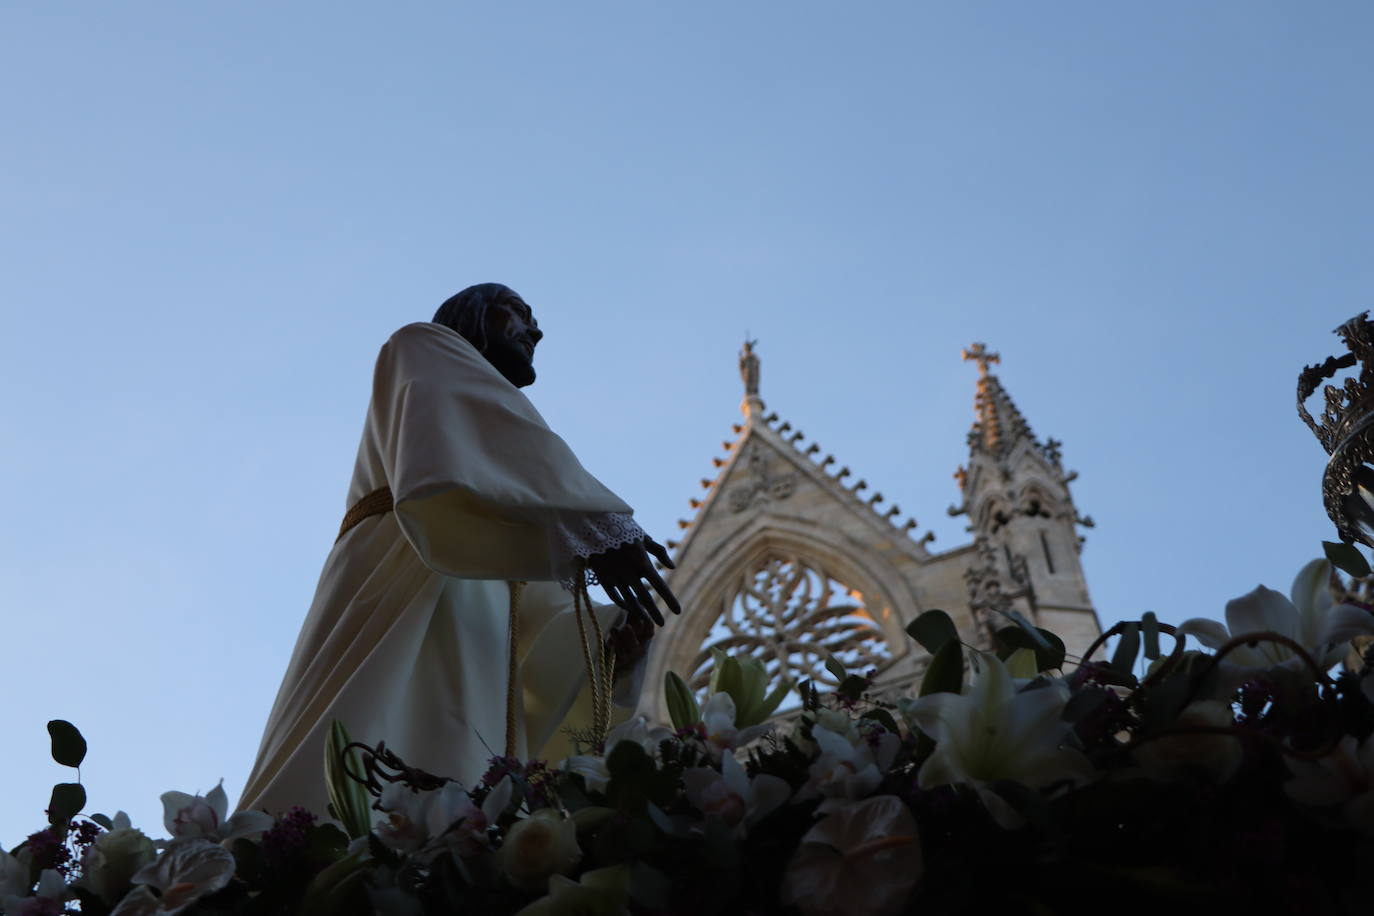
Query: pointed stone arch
{"x": 856, "y": 599}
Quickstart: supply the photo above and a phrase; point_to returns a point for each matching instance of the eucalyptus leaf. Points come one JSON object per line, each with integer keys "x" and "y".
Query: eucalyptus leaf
{"x": 103, "y": 820}
{"x": 932, "y": 629}
{"x": 1021, "y": 664}
{"x": 1347, "y": 558}
{"x": 1034, "y": 632}
{"x": 68, "y": 747}
{"x": 836, "y": 668}
{"x": 946, "y": 671}
{"x": 68, "y": 798}
{"x": 1049, "y": 650}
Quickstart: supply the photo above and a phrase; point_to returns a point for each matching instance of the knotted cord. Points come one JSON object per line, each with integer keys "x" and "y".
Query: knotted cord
{"x": 598, "y": 656}
{"x": 516, "y": 588}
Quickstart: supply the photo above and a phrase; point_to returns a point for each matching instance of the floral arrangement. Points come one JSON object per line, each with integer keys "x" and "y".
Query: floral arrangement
{"x": 1237, "y": 778}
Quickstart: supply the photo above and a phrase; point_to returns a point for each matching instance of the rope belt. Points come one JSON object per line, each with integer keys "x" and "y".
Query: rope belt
{"x": 600, "y": 661}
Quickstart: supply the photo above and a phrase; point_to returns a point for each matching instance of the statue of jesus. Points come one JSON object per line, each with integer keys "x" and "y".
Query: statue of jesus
{"x": 459, "y": 490}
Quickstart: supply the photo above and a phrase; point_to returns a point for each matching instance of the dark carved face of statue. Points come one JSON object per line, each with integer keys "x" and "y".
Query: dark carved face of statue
{"x": 495, "y": 320}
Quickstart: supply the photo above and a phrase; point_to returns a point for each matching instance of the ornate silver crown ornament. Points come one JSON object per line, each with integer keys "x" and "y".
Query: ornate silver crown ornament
{"x": 1346, "y": 431}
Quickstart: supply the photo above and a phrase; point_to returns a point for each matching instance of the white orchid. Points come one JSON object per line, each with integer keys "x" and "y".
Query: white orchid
{"x": 47, "y": 899}
{"x": 991, "y": 732}
{"x": 1305, "y": 617}
{"x": 206, "y": 816}
{"x": 862, "y": 858}
{"x": 403, "y": 826}
{"x": 188, "y": 869}
{"x": 850, "y": 766}
{"x": 451, "y": 816}
{"x": 1344, "y": 777}
{"x": 592, "y": 767}
{"x": 722, "y": 737}
{"x": 731, "y": 796}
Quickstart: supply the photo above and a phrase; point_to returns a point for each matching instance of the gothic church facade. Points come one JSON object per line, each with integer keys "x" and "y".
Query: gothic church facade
{"x": 789, "y": 559}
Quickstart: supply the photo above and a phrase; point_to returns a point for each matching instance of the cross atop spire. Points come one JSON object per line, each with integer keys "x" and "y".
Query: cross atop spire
{"x": 978, "y": 352}
{"x": 998, "y": 425}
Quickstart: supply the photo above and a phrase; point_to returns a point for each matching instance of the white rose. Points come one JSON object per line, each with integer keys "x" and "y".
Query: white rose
{"x": 543, "y": 844}
{"x": 1215, "y": 754}
{"x": 108, "y": 867}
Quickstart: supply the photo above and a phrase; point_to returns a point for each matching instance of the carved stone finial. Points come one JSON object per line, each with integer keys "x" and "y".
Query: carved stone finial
{"x": 749, "y": 374}
{"x": 979, "y": 354}
{"x": 749, "y": 367}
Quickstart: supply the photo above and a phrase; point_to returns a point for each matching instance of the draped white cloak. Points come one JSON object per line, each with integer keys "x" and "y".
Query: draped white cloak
{"x": 407, "y": 640}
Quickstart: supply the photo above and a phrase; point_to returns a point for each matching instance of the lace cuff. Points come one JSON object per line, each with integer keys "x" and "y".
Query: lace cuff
{"x": 582, "y": 535}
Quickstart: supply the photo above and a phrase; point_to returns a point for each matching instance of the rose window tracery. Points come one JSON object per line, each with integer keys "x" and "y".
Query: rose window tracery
{"x": 791, "y": 613}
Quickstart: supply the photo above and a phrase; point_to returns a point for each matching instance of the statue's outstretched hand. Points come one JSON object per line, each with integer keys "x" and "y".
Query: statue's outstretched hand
{"x": 623, "y": 571}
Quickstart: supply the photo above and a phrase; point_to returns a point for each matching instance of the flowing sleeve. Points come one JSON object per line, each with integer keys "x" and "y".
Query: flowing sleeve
{"x": 483, "y": 489}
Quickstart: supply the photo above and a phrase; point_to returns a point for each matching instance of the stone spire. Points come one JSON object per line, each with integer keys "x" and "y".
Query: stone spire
{"x": 997, "y": 425}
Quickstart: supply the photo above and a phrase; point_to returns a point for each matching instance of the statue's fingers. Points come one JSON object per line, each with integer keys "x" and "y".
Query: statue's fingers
{"x": 616, "y": 599}
{"x": 659, "y": 552}
{"x": 646, "y": 601}
{"x": 662, "y": 588}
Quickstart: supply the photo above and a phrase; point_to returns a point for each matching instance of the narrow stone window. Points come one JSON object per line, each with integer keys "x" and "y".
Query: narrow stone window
{"x": 1045, "y": 545}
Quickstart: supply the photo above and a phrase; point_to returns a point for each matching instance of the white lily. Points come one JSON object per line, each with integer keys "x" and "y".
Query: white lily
{"x": 206, "y": 816}
{"x": 592, "y": 767}
{"x": 991, "y": 732}
{"x": 1305, "y": 618}
{"x": 850, "y": 765}
{"x": 862, "y": 858}
{"x": 112, "y": 860}
{"x": 731, "y": 795}
{"x": 451, "y": 816}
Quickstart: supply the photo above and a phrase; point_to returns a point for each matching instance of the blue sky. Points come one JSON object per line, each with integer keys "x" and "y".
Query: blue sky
{"x": 214, "y": 215}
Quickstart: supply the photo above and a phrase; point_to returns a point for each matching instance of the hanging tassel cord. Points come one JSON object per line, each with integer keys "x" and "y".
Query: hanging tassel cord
{"x": 513, "y": 678}
{"x": 597, "y": 655}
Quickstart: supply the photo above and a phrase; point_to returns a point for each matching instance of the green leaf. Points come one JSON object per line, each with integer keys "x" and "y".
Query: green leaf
{"x": 68, "y": 747}
{"x": 1123, "y": 659}
{"x": 883, "y": 718}
{"x": 68, "y": 798}
{"x": 932, "y": 629}
{"x": 1346, "y": 558}
{"x": 836, "y": 668}
{"x": 1149, "y": 627}
{"x": 682, "y": 706}
{"x": 946, "y": 671}
{"x": 1034, "y": 632}
{"x": 1049, "y": 650}
{"x": 853, "y": 687}
{"x": 1021, "y": 664}
{"x": 772, "y": 701}
{"x": 103, "y": 820}
{"x": 349, "y": 799}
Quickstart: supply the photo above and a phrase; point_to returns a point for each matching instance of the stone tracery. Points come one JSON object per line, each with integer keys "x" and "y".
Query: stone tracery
{"x": 790, "y": 612}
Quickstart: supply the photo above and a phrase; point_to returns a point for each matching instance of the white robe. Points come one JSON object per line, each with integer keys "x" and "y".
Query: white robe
{"x": 407, "y": 640}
